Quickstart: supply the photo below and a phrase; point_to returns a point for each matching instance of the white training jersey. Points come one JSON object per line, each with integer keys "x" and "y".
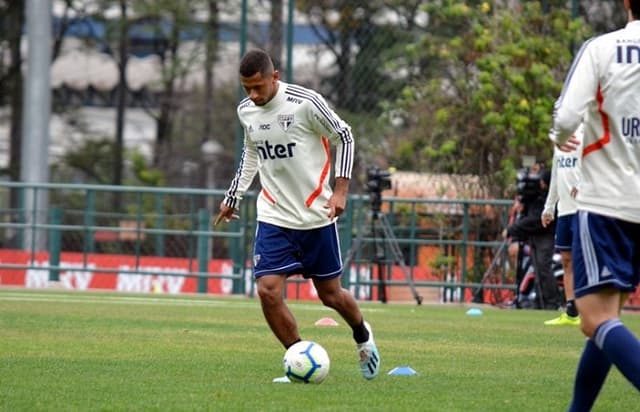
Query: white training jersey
{"x": 288, "y": 142}
{"x": 602, "y": 90}
{"x": 565, "y": 175}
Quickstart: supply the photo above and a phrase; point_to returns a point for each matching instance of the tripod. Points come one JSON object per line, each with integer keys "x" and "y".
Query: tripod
{"x": 477, "y": 296}
{"x": 382, "y": 235}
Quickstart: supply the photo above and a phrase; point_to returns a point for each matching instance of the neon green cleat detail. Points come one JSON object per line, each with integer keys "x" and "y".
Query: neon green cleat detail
{"x": 564, "y": 320}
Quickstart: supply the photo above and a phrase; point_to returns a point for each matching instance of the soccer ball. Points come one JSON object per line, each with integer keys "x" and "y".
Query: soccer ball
{"x": 306, "y": 362}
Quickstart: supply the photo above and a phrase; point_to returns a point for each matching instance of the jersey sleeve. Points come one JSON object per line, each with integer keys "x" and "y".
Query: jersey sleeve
{"x": 246, "y": 172}
{"x": 579, "y": 91}
{"x": 329, "y": 124}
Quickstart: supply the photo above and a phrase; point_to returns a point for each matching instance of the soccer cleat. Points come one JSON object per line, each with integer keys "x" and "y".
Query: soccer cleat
{"x": 564, "y": 319}
{"x": 368, "y": 356}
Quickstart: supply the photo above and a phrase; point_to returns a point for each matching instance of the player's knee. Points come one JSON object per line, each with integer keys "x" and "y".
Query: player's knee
{"x": 588, "y": 327}
{"x": 328, "y": 300}
{"x": 268, "y": 294}
{"x": 331, "y": 298}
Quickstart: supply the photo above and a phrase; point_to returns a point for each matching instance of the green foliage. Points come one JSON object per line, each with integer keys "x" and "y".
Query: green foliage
{"x": 92, "y": 163}
{"x": 143, "y": 172}
{"x": 441, "y": 265}
{"x": 93, "y": 159}
{"x": 363, "y": 78}
{"x": 486, "y": 84}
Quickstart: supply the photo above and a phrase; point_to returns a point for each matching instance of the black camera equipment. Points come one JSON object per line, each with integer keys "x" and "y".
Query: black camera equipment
{"x": 377, "y": 181}
{"x": 527, "y": 185}
{"x": 381, "y": 235}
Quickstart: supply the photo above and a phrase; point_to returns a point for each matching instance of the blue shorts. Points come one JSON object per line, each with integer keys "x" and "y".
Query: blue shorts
{"x": 606, "y": 253}
{"x": 564, "y": 232}
{"x": 311, "y": 253}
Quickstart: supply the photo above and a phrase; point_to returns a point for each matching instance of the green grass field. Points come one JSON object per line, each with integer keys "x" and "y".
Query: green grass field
{"x": 115, "y": 352}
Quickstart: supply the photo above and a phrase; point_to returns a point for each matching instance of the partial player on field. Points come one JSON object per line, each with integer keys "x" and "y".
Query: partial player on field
{"x": 565, "y": 178}
{"x": 602, "y": 90}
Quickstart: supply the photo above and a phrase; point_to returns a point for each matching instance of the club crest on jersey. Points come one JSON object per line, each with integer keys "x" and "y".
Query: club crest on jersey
{"x": 285, "y": 121}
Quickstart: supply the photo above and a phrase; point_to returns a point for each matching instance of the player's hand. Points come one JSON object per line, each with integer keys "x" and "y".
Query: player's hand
{"x": 227, "y": 213}
{"x": 336, "y": 206}
{"x": 546, "y": 219}
{"x": 570, "y": 145}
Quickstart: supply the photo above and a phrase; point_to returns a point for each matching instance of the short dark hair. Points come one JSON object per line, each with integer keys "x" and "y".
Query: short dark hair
{"x": 255, "y": 61}
{"x": 635, "y": 8}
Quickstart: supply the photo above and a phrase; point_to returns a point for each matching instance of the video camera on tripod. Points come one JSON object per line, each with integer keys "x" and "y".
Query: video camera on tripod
{"x": 527, "y": 185}
{"x": 382, "y": 235}
{"x": 377, "y": 181}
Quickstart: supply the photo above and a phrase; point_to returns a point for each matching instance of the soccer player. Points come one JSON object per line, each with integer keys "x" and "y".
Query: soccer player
{"x": 288, "y": 133}
{"x": 602, "y": 90}
{"x": 565, "y": 176}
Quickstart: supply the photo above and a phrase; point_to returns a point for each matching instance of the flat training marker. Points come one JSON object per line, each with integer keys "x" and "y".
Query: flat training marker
{"x": 402, "y": 371}
{"x": 326, "y": 322}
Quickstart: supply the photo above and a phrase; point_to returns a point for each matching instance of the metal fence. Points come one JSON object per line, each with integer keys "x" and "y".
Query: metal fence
{"x": 434, "y": 248}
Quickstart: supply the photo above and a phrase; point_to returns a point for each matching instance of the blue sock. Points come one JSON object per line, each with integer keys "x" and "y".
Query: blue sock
{"x": 592, "y": 371}
{"x": 621, "y": 347}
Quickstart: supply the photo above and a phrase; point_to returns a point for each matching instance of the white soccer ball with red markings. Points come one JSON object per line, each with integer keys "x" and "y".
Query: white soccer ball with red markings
{"x": 306, "y": 362}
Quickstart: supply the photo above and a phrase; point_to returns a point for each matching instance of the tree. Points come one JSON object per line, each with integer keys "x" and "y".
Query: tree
{"x": 12, "y": 81}
{"x": 163, "y": 24}
{"x": 121, "y": 104}
{"x": 361, "y": 38}
{"x": 482, "y": 94}
{"x": 211, "y": 31}
{"x": 93, "y": 160}
{"x": 276, "y": 37}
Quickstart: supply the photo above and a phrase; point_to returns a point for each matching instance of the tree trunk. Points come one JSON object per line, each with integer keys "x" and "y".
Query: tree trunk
{"x": 211, "y": 42}
{"x": 276, "y": 34}
{"x": 15, "y": 22}
{"x": 167, "y": 104}
{"x": 118, "y": 148}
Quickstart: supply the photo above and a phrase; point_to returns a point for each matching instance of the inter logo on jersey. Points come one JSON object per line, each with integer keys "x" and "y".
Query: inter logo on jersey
{"x": 285, "y": 121}
{"x": 567, "y": 161}
{"x": 266, "y": 150}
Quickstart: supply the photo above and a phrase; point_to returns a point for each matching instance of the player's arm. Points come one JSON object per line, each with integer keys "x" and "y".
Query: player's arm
{"x": 245, "y": 173}
{"x": 327, "y": 123}
{"x": 579, "y": 90}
